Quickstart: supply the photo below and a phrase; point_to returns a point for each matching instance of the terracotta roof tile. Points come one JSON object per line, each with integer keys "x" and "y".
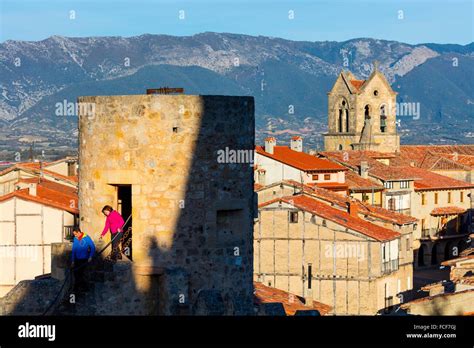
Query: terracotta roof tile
{"x": 357, "y": 83}
{"x": 447, "y": 211}
{"x": 342, "y": 201}
{"x": 48, "y": 195}
{"x": 338, "y": 216}
{"x": 428, "y": 156}
{"x": 291, "y": 302}
{"x": 299, "y": 160}
{"x": 353, "y": 158}
{"x": 34, "y": 168}
{"x": 358, "y": 183}
{"x": 426, "y": 180}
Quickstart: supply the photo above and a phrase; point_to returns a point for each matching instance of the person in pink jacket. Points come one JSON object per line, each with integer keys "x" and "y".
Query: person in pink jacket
{"x": 113, "y": 223}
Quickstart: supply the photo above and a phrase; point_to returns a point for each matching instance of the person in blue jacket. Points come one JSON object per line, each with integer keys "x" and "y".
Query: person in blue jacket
{"x": 83, "y": 250}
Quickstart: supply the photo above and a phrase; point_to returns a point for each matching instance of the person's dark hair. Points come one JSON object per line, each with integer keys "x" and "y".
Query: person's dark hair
{"x": 76, "y": 229}
{"x": 108, "y": 208}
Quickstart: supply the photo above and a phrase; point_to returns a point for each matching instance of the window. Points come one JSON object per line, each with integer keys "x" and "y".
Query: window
{"x": 347, "y": 120}
{"x": 461, "y": 196}
{"x": 367, "y": 112}
{"x": 340, "y": 121}
{"x": 423, "y": 199}
{"x": 388, "y": 184}
{"x": 449, "y": 197}
{"x": 383, "y": 119}
{"x": 436, "y": 198}
{"x": 408, "y": 243}
{"x": 293, "y": 217}
{"x": 310, "y": 275}
{"x": 376, "y": 93}
{"x": 404, "y": 184}
{"x": 327, "y": 176}
{"x": 391, "y": 204}
{"x": 315, "y": 176}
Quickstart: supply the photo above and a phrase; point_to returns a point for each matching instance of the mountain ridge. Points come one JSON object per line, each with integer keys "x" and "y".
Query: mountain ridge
{"x": 278, "y": 72}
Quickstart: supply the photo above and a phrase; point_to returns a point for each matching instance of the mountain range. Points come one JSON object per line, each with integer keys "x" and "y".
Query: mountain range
{"x": 289, "y": 80}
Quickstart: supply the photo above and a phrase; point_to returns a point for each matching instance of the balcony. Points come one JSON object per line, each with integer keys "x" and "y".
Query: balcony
{"x": 390, "y": 266}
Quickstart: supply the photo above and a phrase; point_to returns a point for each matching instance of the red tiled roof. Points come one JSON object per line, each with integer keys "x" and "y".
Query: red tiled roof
{"x": 296, "y": 137}
{"x": 447, "y": 211}
{"x": 34, "y": 167}
{"x": 48, "y": 195}
{"x": 429, "y": 156}
{"x": 338, "y": 216}
{"x": 387, "y": 215}
{"x": 299, "y": 160}
{"x": 55, "y": 186}
{"x": 290, "y": 302}
{"x": 342, "y": 201}
{"x": 358, "y": 183}
{"x": 357, "y": 83}
{"x": 353, "y": 158}
{"x": 426, "y": 180}
{"x": 257, "y": 187}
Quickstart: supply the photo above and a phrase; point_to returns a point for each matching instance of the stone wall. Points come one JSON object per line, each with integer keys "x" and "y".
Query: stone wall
{"x": 191, "y": 215}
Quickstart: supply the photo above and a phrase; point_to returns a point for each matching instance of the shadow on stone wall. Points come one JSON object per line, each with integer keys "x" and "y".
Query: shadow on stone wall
{"x": 207, "y": 269}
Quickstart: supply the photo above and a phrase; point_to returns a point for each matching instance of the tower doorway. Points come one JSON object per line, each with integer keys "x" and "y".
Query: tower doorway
{"x": 124, "y": 207}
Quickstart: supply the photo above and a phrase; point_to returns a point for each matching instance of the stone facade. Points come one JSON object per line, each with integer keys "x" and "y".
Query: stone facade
{"x": 191, "y": 215}
{"x": 362, "y": 114}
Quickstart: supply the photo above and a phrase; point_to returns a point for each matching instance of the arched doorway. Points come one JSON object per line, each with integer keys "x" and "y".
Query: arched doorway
{"x": 421, "y": 255}
{"x": 434, "y": 254}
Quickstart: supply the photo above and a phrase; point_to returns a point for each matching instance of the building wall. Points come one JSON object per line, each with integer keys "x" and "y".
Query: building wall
{"x": 28, "y": 229}
{"x": 374, "y": 199}
{"x": 190, "y": 213}
{"x": 60, "y": 168}
{"x": 421, "y": 211}
{"x": 276, "y": 171}
{"x": 345, "y": 265}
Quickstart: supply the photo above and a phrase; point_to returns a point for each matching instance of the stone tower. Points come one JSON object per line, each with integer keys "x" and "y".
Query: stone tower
{"x": 156, "y": 157}
{"x": 362, "y": 114}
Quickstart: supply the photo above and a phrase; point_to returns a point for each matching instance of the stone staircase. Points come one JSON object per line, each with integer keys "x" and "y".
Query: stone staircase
{"x": 110, "y": 291}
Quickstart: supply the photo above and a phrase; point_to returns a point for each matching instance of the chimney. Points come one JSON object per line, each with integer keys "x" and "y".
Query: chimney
{"x": 296, "y": 144}
{"x": 352, "y": 208}
{"x": 32, "y": 189}
{"x": 270, "y": 142}
{"x": 364, "y": 169}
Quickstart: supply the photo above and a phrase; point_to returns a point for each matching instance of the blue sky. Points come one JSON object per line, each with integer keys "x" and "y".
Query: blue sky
{"x": 441, "y": 21}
